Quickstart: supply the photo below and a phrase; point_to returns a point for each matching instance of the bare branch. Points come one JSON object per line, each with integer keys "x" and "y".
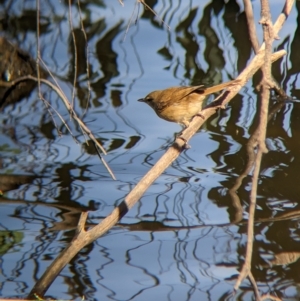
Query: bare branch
{"x": 251, "y": 25}
{"x": 136, "y": 193}
{"x": 71, "y": 111}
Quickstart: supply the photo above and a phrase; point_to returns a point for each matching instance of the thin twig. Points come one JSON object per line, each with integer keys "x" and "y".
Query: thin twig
{"x": 81, "y": 222}
{"x": 154, "y": 13}
{"x": 251, "y": 25}
{"x": 75, "y": 52}
{"x": 60, "y": 117}
{"x": 87, "y": 57}
{"x": 71, "y": 112}
{"x": 130, "y": 20}
{"x": 38, "y": 54}
{"x": 62, "y": 93}
{"x": 255, "y": 287}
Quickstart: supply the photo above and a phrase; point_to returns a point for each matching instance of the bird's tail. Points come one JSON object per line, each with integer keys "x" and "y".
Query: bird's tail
{"x": 220, "y": 87}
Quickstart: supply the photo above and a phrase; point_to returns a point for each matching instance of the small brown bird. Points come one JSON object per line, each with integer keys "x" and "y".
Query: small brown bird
{"x": 181, "y": 104}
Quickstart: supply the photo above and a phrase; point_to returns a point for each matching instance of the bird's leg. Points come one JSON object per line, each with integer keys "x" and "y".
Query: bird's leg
{"x": 185, "y": 124}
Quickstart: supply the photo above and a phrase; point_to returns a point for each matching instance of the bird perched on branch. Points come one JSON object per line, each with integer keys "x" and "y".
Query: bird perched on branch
{"x": 181, "y": 104}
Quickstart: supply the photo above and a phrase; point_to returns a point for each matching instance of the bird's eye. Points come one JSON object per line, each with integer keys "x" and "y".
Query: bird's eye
{"x": 149, "y": 99}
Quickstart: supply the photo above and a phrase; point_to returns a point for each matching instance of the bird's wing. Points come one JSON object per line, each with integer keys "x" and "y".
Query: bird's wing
{"x": 185, "y": 91}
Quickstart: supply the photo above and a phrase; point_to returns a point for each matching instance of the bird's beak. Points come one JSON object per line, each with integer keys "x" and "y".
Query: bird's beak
{"x": 141, "y": 99}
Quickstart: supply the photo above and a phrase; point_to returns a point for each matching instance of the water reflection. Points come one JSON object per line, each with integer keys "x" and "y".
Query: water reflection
{"x": 185, "y": 239}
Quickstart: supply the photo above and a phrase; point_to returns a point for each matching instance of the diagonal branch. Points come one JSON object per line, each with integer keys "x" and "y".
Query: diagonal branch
{"x": 84, "y": 238}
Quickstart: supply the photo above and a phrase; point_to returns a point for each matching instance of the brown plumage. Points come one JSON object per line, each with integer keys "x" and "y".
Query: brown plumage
{"x": 181, "y": 104}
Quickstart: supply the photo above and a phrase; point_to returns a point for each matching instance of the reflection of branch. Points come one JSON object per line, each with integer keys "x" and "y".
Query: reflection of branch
{"x": 269, "y": 297}
{"x": 252, "y": 143}
{"x": 250, "y": 229}
{"x": 69, "y": 214}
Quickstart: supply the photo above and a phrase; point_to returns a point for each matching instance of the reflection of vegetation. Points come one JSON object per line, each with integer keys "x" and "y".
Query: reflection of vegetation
{"x": 189, "y": 42}
{"x": 14, "y": 181}
{"x": 108, "y": 59}
{"x": 113, "y": 145}
{"x": 9, "y": 239}
{"x": 38, "y": 298}
{"x": 14, "y": 63}
{"x": 116, "y": 98}
{"x": 7, "y": 148}
{"x": 229, "y": 132}
{"x": 23, "y": 23}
